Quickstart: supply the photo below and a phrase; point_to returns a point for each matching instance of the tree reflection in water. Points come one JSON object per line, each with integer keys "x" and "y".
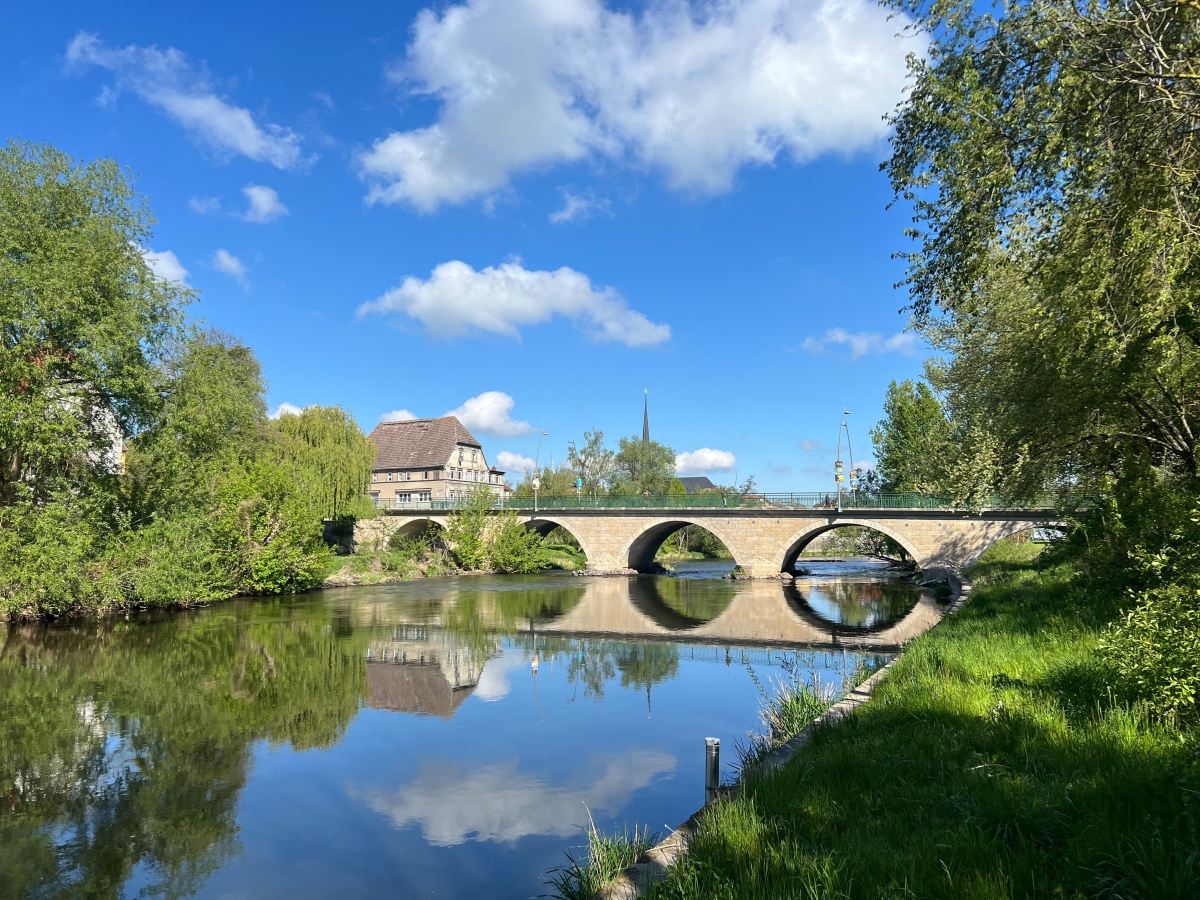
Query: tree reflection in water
{"x": 124, "y": 745}
{"x": 860, "y": 604}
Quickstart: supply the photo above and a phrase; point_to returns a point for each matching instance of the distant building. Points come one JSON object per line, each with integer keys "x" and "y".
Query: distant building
{"x": 421, "y": 460}
{"x": 697, "y": 483}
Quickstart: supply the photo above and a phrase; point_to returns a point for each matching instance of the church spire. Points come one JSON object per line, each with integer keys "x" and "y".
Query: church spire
{"x": 646, "y": 418}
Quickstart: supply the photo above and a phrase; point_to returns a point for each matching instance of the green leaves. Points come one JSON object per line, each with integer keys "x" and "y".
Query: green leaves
{"x": 85, "y": 322}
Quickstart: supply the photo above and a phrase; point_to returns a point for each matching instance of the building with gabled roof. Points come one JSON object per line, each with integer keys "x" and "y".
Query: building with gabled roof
{"x": 422, "y": 460}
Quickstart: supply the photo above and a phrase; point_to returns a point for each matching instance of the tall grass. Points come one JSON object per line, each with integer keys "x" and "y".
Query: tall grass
{"x": 607, "y": 856}
{"x": 787, "y": 704}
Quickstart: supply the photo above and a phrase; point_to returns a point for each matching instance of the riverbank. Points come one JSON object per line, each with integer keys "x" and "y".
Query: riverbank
{"x": 994, "y": 761}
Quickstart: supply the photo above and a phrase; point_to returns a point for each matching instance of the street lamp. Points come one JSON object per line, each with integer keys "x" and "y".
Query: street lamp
{"x": 537, "y": 472}
{"x": 837, "y": 466}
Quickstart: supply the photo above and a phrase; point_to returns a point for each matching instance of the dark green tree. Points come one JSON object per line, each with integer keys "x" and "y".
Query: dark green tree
{"x": 912, "y": 442}
{"x": 644, "y": 467}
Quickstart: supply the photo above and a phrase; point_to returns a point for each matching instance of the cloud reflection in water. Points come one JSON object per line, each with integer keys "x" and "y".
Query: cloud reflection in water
{"x": 498, "y": 803}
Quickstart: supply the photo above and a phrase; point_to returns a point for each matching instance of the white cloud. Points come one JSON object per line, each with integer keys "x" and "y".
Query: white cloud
{"x": 811, "y": 446}
{"x": 166, "y": 79}
{"x": 501, "y": 804}
{"x": 863, "y": 342}
{"x": 513, "y": 462}
{"x": 226, "y": 262}
{"x": 205, "y": 206}
{"x": 703, "y": 460}
{"x": 456, "y": 300}
{"x": 491, "y": 413}
{"x": 579, "y": 206}
{"x": 265, "y": 205}
{"x": 696, "y": 90}
{"x": 285, "y": 409}
{"x": 165, "y": 264}
{"x": 398, "y": 415}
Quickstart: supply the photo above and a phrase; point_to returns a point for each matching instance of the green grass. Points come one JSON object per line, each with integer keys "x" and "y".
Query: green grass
{"x": 606, "y": 857}
{"x": 994, "y": 762}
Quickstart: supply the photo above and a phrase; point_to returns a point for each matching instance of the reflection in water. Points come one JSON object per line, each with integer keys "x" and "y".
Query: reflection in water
{"x": 855, "y": 593}
{"x": 124, "y": 745}
{"x": 169, "y": 754}
{"x": 679, "y": 603}
{"x": 860, "y": 604}
{"x": 500, "y": 803}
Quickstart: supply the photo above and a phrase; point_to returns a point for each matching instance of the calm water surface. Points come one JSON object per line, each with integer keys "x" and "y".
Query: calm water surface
{"x": 443, "y": 738}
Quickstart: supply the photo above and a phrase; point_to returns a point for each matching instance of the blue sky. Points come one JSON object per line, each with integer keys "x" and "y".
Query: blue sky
{"x": 526, "y": 211}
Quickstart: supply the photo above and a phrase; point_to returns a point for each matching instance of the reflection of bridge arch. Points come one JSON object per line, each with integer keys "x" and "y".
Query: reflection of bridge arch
{"x": 799, "y": 540}
{"x": 799, "y": 599}
{"x": 680, "y": 604}
{"x": 543, "y": 525}
{"x": 759, "y": 614}
{"x": 639, "y": 553}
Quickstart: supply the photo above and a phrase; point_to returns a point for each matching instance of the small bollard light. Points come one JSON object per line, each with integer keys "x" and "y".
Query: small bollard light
{"x": 712, "y": 768}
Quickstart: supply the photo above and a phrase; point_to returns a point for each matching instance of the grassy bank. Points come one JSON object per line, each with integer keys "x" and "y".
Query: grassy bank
{"x": 994, "y": 762}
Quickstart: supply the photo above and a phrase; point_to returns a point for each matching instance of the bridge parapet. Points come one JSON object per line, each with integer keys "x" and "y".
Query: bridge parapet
{"x": 732, "y": 500}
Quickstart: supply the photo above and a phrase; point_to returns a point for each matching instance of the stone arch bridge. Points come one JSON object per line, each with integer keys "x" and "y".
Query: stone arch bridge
{"x": 765, "y": 541}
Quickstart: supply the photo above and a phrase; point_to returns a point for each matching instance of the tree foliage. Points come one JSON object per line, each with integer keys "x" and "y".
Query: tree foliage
{"x": 137, "y": 463}
{"x": 332, "y": 457}
{"x": 85, "y": 322}
{"x": 911, "y": 442}
{"x": 645, "y": 467}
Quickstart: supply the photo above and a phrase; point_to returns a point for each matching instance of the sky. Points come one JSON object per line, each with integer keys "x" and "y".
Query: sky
{"x": 524, "y": 212}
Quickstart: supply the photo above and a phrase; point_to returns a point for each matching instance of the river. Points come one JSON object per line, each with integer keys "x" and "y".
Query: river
{"x": 441, "y": 738}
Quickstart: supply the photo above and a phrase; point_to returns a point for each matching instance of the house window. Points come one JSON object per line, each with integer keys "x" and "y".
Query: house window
{"x": 403, "y": 498}
{"x": 424, "y": 496}
{"x": 408, "y": 476}
{"x": 460, "y": 456}
{"x": 374, "y": 477}
{"x": 389, "y": 476}
{"x": 426, "y": 474}
{"x": 472, "y": 456}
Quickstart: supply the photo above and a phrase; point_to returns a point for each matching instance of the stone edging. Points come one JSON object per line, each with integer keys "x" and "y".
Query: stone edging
{"x": 653, "y": 865}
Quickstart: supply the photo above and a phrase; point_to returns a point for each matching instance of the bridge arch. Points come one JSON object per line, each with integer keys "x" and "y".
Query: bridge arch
{"x": 1007, "y": 530}
{"x": 639, "y": 552}
{"x": 543, "y": 525}
{"x": 415, "y": 526}
{"x": 800, "y": 539}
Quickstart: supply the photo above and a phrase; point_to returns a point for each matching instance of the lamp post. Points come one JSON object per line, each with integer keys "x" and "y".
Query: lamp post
{"x": 537, "y": 472}
{"x": 837, "y": 466}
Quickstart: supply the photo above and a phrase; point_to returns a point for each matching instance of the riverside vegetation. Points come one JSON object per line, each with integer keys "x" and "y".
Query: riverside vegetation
{"x": 138, "y": 465}
{"x": 1043, "y": 742}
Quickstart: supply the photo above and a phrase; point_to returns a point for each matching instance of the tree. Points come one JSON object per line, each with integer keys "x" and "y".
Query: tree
{"x": 86, "y": 323}
{"x": 912, "y": 441}
{"x": 644, "y": 468}
{"x": 466, "y": 529}
{"x": 331, "y": 456}
{"x": 1050, "y": 153}
{"x": 594, "y": 463}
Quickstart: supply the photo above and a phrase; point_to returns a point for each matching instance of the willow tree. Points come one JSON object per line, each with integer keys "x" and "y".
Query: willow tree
{"x": 330, "y": 457}
{"x": 1051, "y": 152}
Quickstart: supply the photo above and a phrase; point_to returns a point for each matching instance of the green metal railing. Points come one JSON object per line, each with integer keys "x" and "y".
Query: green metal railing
{"x": 732, "y": 500}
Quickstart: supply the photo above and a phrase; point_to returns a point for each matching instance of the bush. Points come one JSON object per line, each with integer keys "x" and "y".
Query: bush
{"x": 1156, "y": 648}
{"x": 514, "y": 548}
